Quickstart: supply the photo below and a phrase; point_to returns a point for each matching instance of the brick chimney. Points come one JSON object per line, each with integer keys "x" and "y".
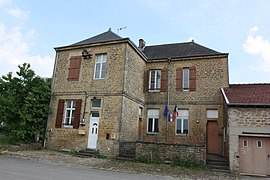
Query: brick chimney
{"x": 141, "y": 44}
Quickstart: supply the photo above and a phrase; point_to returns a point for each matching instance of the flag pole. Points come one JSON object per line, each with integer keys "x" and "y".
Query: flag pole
{"x": 168, "y": 100}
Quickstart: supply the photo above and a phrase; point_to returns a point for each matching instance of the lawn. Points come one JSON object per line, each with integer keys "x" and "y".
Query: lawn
{"x": 5, "y": 140}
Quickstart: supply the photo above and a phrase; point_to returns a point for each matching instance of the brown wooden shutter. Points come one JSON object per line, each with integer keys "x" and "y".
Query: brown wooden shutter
{"x": 60, "y": 112}
{"x": 74, "y": 68}
{"x": 164, "y": 80}
{"x": 192, "y": 78}
{"x": 146, "y": 81}
{"x": 179, "y": 79}
{"x": 77, "y": 114}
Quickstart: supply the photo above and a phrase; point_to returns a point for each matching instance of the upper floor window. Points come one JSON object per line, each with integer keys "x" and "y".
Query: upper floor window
{"x": 100, "y": 66}
{"x": 153, "y": 121}
{"x": 74, "y": 68}
{"x": 182, "y": 122}
{"x": 186, "y": 79}
{"x": 154, "y": 80}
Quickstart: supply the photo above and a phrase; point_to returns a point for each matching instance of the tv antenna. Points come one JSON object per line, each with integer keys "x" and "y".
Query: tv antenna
{"x": 119, "y": 29}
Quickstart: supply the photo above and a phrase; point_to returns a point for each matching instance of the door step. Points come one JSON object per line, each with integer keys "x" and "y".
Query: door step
{"x": 87, "y": 153}
{"x": 217, "y": 162}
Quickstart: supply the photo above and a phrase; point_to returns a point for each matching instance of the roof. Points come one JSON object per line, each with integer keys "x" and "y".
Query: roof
{"x": 103, "y": 37}
{"x": 178, "y": 50}
{"x": 247, "y": 94}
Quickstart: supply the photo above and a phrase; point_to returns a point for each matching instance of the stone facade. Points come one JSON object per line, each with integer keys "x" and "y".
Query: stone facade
{"x": 240, "y": 121}
{"x": 125, "y": 99}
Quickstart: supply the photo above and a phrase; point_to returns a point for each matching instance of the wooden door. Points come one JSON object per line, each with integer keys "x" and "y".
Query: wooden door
{"x": 254, "y": 155}
{"x": 212, "y": 137}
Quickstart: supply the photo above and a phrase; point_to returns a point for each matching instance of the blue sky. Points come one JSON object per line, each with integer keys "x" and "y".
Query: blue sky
{"x": 30, "y": 29}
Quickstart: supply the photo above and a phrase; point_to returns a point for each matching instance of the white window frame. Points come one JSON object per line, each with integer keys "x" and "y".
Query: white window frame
{"x": 183, "y": 115}
{"x": 185, "y": 79}
{"x": 156, "y": 79}
{"x": 69, "y": 117}
{"x": 245, "y": 140}
{"x": 257, "y": 143}
{"x": 212, "y": 113}
{"x": 101, "y": 60}
{"x": 154, "y": 115}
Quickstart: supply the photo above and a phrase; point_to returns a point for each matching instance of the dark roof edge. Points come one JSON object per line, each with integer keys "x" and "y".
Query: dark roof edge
{"x": 82, "y": 45}
{"x": 248, "y": 105}
{"x": 187, "y": 57}
{"x": 102, "y": 43}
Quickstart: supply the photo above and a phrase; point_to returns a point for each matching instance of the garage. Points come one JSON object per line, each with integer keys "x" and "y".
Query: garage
{"x": 254, "y": 155}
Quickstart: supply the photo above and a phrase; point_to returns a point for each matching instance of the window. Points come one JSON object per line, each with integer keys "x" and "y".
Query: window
{"x": 69, "y": 113}
{"x": 96, "y": 103}
{"x": 186, "y": 78}
{"x": 245, "y": 143}
{"x": 153, "y": 121}
{"x": 74, "y": 68}
{"x": 100, "y": 66}
{"x": 154, "y": 80}
{"x": 182, "y": 122}
{"x": 259, "y": 143}
{"x": 212, "y": 114}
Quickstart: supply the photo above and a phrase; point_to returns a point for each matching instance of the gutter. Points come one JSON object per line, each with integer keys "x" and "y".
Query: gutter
{"x": 225, "y": 97}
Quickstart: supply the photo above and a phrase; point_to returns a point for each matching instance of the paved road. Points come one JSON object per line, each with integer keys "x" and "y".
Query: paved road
{"x": 21, "y": 169}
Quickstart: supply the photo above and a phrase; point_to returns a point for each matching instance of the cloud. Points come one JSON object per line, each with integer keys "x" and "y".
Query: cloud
{"x": 16, "y": 43}
{"x": 17, "y": 13}
{"x": 4, "y": 2}
{"x": 258, "y": 45}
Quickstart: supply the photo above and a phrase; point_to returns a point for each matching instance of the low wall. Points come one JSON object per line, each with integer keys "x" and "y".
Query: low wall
{"x": 21, "y": 147}
{"x": 162, "y": 151}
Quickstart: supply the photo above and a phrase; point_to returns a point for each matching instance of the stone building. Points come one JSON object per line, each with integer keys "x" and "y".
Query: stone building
{"x": 248, "y": 127}
{"x": 108, "y": 93}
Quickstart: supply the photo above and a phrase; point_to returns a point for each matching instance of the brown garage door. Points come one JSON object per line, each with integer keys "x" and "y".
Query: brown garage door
{"x": 254, "y": 155}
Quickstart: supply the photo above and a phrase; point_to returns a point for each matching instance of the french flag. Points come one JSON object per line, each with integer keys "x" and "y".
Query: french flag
{"x": 175, "y": 111}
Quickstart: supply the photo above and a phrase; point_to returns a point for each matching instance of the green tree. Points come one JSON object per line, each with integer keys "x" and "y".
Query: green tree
{"x": 24, "y": 104}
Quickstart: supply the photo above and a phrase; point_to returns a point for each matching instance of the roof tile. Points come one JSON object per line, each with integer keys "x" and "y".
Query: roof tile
{"x": 248, "y": 94}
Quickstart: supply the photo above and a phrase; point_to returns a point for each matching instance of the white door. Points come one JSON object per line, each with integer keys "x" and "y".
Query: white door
{"x": 93, "y": 131}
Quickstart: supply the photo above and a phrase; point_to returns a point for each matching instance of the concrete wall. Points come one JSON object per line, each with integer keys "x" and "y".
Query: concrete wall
{"x": 240, "y": 119}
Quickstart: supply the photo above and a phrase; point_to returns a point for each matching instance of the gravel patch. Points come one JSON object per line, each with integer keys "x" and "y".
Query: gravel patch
{"x": 66, "y": 159}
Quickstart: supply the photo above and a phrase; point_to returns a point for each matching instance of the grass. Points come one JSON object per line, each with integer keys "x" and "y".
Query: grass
{"x": 5, "y": 140}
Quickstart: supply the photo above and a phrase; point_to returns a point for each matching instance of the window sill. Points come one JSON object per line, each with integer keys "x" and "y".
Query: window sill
{"x": 152, "y": 133}
{"x": 181, "y": 134}
{"x": 68, "y": 127}
{"x": 153, "y": 91}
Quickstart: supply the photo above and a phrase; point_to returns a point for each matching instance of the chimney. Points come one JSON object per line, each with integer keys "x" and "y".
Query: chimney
{"x": 141, "y": 44}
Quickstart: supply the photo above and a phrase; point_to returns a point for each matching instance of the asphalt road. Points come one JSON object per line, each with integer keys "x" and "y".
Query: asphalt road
{"x": 12, "y": 168}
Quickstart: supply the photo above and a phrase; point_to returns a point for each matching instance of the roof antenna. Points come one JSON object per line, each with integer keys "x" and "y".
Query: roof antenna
{"x": 119, "y": 29}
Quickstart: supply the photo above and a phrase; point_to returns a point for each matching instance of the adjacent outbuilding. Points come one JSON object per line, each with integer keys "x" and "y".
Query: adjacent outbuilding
{"x": 248, "y": 127}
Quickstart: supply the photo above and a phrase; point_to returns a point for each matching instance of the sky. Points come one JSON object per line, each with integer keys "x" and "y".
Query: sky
{"x": 31, "y": 29}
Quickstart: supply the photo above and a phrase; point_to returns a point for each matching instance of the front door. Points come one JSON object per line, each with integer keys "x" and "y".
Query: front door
{"x": 93, "y": 131}
{"x": 212, "y": 137}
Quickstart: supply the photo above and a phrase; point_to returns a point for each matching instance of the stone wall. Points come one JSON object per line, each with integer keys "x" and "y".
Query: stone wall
{"x": 245, "y": 119}
{"x": 162, "y": 151}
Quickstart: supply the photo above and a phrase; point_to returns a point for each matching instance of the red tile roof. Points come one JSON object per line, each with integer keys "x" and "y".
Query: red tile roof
{"x": 247, "y": 94}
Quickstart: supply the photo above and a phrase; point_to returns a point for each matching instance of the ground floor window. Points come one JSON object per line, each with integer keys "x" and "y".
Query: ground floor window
{"x": 153, "y": 121}
{"x": 182, "y": 122}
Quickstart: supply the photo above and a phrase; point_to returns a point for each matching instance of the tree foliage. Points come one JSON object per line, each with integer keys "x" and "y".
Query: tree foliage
{"x": 24, "y": 104}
